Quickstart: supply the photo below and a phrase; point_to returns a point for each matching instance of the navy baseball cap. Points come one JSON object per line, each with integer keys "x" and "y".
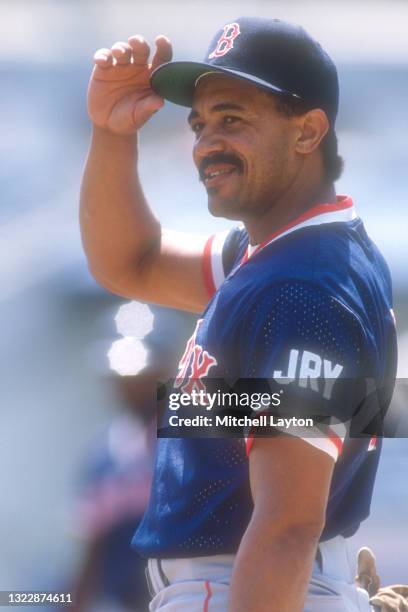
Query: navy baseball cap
{"x": 274, "y": 55}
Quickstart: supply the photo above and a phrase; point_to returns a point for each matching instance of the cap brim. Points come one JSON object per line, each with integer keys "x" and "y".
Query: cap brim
{"x": 176, "y": 81}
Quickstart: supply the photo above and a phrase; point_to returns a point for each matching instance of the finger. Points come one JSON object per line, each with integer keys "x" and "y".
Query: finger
{"x": 103, "y": 58}
{"x": 122, "y": 52}
{"x": 392, "y": 595}
{"x": 401, "y": 589}
{"x": 140, "y": 49}
{"x": 164, "y": 51}
{"x": 146, "y": 107}
{"x": 366, "y": 561}
{"x": 389, "y": 602}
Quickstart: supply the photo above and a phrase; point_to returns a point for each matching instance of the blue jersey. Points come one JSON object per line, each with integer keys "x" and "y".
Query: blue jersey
{"x": 310, "y": 307}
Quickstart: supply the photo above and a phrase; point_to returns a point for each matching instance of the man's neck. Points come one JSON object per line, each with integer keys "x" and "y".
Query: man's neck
{"x": 285, "y": 210}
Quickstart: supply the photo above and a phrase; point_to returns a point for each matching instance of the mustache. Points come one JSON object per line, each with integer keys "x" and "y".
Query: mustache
{"x": 219, "y": 158}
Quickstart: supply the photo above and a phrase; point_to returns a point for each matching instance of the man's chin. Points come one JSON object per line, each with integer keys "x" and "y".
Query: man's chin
{"x": 221, "y": 207}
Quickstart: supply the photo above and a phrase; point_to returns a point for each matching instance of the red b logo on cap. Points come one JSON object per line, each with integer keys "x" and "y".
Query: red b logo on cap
{"x": 226, "y": 41}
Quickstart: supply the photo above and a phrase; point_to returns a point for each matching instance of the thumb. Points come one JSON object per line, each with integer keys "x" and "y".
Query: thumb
{"x": 367, "y": 576}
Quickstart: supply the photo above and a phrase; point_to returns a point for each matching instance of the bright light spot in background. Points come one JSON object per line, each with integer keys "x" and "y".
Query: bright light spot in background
{"x": 134, "y": 319}
{"x": 127, "y": 356}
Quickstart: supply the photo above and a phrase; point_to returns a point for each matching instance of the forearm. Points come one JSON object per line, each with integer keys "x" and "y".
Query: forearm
{"x": 117, "y": 225}
{"x": 272, "y": 571}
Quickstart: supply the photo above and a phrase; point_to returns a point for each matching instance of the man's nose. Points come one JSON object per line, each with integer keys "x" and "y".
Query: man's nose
{"x": 209, "y": 141}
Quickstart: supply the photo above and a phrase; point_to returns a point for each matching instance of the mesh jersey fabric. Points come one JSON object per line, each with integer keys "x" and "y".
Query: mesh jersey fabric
{"x": 324, "y": 291}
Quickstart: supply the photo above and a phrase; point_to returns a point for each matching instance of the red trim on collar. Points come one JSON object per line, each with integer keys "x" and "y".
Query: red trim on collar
{"x": 343, "y": 202}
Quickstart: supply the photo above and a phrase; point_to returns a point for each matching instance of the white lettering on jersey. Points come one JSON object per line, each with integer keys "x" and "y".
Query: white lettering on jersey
{"x": 291, "y": 373}
{"x": 309, "y": 368}
{"x": 331, "y": 374}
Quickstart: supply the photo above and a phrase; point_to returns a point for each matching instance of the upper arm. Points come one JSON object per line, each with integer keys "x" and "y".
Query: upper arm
{"x": 172, "y": 274}
{"x": 182, "y": 271}
{"x": 290, "y": 482}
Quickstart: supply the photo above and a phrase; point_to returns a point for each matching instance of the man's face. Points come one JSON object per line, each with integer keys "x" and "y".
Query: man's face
{"x": 244, "y": 148}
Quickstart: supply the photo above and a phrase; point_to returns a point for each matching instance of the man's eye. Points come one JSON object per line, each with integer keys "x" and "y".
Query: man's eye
{"x": 197, "y": 127}
{"x": 230, "y": 119}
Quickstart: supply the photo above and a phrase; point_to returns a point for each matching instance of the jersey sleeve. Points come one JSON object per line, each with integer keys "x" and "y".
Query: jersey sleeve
{"x": 311, "y": 349}
{"x": 221, "y": 253}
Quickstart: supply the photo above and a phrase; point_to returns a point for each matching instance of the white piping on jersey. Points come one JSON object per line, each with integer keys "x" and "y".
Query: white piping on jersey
{"x": 324, "y": 444}
{"x": 217, "y": 267}
{"x": 251, "y": 248}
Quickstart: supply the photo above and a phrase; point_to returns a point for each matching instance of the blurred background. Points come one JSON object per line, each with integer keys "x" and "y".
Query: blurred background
{"x": 57, "y": 399}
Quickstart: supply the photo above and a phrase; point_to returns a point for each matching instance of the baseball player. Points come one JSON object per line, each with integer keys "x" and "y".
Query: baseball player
{"x": 299, "y": 296}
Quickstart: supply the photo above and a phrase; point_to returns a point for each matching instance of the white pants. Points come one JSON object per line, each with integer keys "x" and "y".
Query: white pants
{"x": 201, "y": 584}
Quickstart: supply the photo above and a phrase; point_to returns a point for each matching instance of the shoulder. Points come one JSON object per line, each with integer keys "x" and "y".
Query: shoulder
{"x": 222, "y": 252}
{"x": 289, "y": 312}
{"x": 307, "y": 254}
{"x": 337, "y": 258}
{"x": 305, "y": 307}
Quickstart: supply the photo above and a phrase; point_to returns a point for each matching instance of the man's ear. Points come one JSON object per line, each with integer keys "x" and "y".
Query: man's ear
{"x": 313, "y": 127}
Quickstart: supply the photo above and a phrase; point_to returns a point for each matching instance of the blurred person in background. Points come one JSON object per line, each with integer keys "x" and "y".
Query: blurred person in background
{"x": 111, "y": 498}
{"x": 114, "y": 482}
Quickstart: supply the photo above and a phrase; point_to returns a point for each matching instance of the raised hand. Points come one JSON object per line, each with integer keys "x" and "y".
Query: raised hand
{"x": 120, "y": 98}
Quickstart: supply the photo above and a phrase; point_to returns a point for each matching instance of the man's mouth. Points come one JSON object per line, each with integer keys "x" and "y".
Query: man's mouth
{"x": 218, "y": 169}
{"x": 215, "y": 174}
